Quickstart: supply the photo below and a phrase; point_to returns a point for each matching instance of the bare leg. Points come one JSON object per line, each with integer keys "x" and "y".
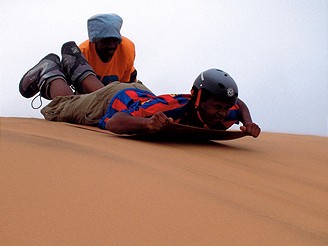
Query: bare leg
{"x": 91, "y": 84}
{"x": 59, "y": 87}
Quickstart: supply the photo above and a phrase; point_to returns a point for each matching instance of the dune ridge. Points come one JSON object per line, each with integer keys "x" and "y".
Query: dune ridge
{"x": 63, "y": 185}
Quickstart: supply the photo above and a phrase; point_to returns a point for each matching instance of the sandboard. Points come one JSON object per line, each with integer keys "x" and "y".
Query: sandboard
{"x": 176, "y": 131}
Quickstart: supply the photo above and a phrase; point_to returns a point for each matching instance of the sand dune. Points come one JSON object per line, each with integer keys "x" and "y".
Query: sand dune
{"x": 62, "y": 185}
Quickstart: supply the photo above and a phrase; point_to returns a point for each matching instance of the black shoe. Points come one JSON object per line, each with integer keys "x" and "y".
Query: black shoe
{"x": 75, "y": 65}
{"x": 41, "y": 74}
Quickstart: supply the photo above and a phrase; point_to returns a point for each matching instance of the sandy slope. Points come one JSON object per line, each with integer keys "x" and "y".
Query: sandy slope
{"x": 61, "y": 185}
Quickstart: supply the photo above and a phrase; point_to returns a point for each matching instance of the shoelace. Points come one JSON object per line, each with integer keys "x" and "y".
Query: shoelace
{"x": 32, "y": 103}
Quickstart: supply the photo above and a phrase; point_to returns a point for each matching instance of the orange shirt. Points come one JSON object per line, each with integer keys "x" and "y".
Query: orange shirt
{"x": 119, "y": 68}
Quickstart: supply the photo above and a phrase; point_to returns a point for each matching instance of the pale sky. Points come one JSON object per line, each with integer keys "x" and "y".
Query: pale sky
{"x": 277, "y": 51}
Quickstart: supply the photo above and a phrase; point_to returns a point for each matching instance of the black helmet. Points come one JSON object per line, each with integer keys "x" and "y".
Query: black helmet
{"x": 218, "y": 83}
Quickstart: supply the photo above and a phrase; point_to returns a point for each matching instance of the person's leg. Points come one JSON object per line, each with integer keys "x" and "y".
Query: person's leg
{"x": 41, "y": 76}
{"x": 59, "y": 87}
{"x": 91, "y": 84}
{"x": 49, "y": 75}
{"x": 84, "y": 109}
{"x": 81, "y": 74}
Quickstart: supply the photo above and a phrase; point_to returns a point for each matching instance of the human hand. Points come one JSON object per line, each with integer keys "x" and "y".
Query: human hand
{"x": 251, "y": 129}
{"x": 158, "y": 121}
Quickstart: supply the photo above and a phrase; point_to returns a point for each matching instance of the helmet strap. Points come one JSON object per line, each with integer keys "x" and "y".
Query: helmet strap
{"x": 197, "y": 101}
{"x": 201, "y": 120}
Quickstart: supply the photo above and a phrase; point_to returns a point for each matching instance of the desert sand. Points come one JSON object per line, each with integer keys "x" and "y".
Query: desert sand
{"x": 62, "y": 185}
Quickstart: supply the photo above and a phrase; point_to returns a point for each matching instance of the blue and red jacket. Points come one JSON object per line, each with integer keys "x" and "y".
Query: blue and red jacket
{"x": 141, "y": 103}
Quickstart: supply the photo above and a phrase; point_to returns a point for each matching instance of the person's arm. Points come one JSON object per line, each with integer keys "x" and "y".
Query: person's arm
{"x": 123, "y": 123}
{"x": 248, "y": 125}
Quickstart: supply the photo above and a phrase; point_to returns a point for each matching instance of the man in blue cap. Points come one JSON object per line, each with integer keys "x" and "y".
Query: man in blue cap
{"x": 109, "y": 53}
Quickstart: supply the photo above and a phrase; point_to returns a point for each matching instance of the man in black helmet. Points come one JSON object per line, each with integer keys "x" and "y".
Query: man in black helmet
{"x": 213, "y": 104}
{"x": 128, "y": 108}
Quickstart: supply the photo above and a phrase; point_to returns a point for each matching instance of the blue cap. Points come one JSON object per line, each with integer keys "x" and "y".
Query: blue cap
{"x": 104, "y": 26}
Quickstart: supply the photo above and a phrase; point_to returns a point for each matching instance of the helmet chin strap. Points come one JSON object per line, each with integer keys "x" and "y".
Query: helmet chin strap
{"x": 197, "y": 107}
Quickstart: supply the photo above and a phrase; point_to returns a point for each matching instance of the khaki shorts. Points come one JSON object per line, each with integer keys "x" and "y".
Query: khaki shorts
{"x": 86, "y": 109}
